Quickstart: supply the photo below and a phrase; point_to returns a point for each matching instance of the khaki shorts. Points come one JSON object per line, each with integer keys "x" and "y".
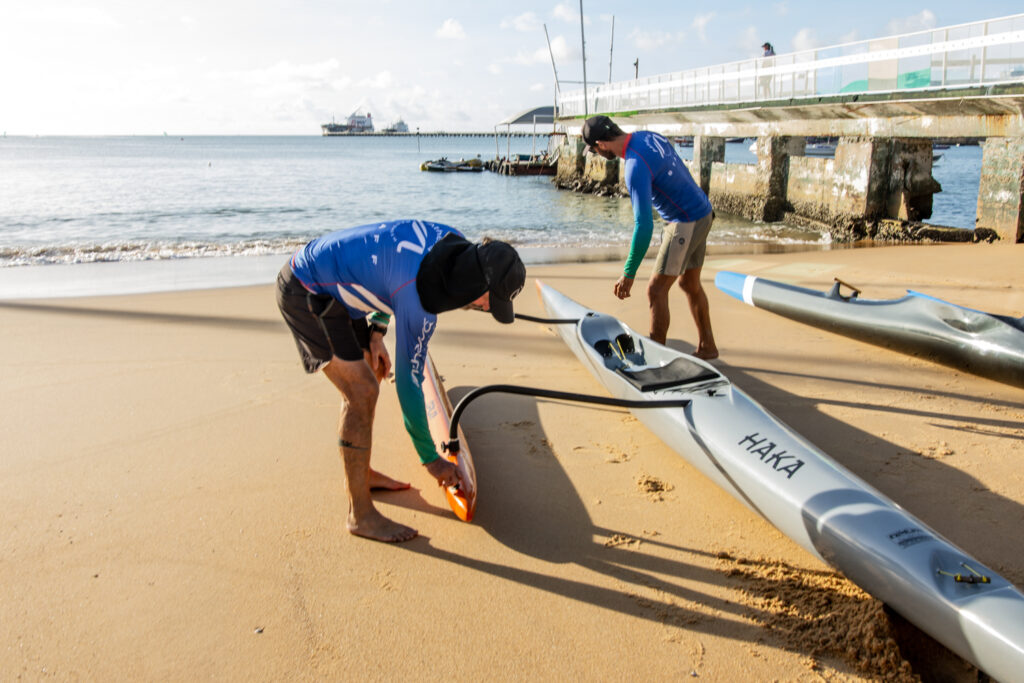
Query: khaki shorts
{"x": 683, "y": 246}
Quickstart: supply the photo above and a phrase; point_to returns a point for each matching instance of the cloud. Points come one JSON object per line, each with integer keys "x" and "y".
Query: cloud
{"x": 565, "y": 12}
{"x": 569, "y": 12}
{"x": 378, "y": 82}
{"x": 451, "y": 29}
{"x": 651, "y": 40}
{"x": 700, "y": 22}
{"x": 852, "y": 37}
{"x": 70, "y": 14}
{"x": 921, "y": 21}
{"x": 559, "y": 48}
{"x": 280, "y": 81}
{"x": 537, "y": 87}
{"x": 781, "y": 8}
{"x": 284, "y": 73}
{"x": 526, "y": 22}
{"x": 748, "y": 41}
{"x": 494, "y": 69}
{"x": 805, "y": 39}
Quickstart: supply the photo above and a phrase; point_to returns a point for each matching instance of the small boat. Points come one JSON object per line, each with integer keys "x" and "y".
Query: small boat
{"x": 811, "y": 149}
{"x": 443, "y": 165}
{"x": 822, "y": 506}
{"x": 474, "y": 165}
{"x": 981, "y": 343}
{"x": 820, "y": 149}
{"x": 526, "y": 165}
{"x": 438, "y": 165}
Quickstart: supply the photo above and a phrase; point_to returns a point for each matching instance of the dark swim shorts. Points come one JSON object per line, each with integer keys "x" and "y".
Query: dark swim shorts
{"x": 320, "y": 323}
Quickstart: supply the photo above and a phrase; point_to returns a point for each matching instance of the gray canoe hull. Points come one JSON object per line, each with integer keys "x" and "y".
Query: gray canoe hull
{"x": 781, "y": 476}
{"x": 973, "y": 341}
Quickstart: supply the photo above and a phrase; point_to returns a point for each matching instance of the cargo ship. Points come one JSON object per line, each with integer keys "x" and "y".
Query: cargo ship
{"x": 357, "y": 123}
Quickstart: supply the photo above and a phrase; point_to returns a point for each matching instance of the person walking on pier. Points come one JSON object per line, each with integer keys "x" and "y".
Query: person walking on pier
{"x": 656, "y": 176}
{"x": 765, "y": 82}
{"x": 337, "y": 294}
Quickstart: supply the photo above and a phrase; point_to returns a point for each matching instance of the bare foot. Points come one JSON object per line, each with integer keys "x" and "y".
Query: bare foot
{"x": 382, "y": 481}
{"x": 377, "y": 527}
{"x": 706, "y": 354}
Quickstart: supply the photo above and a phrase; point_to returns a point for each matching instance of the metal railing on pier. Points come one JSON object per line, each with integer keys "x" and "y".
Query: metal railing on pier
{"x": 982, "y": 53}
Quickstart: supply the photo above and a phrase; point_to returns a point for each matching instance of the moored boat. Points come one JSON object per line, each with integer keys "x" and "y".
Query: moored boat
{"x": 357, "y": 122}
{"x": 445, "y": 165}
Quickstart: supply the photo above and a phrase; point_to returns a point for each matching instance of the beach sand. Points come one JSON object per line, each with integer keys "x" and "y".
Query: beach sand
{"x": 173, "y": 503}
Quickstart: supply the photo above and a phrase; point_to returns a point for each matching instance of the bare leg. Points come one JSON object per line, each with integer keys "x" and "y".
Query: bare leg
{"x": 657, "y": 298}
{"x": 689, "y": 281}
{"x": 359, "y": 390}
{"x": 377, "y": 479}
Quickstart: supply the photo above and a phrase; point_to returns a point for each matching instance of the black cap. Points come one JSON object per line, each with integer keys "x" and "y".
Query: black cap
{"x": 597, "y": 128}
{"x": 505, "y": 274}
{"x": 767, "y": 45}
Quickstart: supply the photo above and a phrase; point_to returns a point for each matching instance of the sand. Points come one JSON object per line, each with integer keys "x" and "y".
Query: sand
{"x": 173, "y": 505}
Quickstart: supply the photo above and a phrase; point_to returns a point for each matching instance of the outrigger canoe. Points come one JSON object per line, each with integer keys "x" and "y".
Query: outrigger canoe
{"x": 778, "y": 474}
{"x": 981, "y": 343}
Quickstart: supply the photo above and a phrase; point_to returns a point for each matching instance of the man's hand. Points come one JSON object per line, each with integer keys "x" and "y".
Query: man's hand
{"x": 623, "y": 286}
{"x": 446, "y": 473}
{"x": 380, "y": 361}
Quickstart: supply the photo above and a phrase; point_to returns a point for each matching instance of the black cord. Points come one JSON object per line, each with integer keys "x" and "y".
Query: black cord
{"x": 549, "y": 321}
{"x": 453, "y": 444}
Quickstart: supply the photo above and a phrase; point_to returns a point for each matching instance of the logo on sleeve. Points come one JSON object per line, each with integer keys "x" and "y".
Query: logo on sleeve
{"x": 419, "y": 351}
{"x": 421, "y": 239}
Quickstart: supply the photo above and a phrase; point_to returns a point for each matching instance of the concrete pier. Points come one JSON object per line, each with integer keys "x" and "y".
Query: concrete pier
{"x": 706, "y": 151}
{"x": 1001, "y": 193}
{"x": 874, "y": 187}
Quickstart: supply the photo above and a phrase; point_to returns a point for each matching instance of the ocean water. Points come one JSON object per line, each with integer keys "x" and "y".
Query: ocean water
{"x": 75, "y": 201}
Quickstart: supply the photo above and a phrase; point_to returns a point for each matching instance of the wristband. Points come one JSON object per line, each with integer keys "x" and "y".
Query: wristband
{"x": 377, "y": 327}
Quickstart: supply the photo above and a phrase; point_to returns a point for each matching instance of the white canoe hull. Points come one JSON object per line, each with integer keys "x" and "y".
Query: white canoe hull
{"x": 781, "y": 476}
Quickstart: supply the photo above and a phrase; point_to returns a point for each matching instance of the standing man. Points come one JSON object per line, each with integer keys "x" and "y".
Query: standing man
{"x": 765, "y": 82}
{"x": 338, "y": 294}
{"x": 655, "y": 175}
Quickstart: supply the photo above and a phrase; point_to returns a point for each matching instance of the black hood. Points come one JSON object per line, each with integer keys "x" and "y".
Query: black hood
{"x": 450, "y": 275}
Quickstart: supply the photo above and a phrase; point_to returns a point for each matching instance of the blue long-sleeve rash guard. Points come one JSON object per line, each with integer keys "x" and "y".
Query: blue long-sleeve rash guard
{"x": 656, "y": 176}
{"x": 371, "y": 269}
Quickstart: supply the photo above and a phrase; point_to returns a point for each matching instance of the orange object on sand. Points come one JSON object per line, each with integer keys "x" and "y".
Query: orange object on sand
{"x": 461, "y": 499}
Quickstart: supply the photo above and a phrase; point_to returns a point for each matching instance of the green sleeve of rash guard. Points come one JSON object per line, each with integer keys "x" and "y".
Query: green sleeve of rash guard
{"x": 638, "y": 180}
{"x": 412, "y": 336}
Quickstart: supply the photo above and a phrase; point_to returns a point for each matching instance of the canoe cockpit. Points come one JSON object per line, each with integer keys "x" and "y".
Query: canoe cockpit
{"x": 624, "y": 354}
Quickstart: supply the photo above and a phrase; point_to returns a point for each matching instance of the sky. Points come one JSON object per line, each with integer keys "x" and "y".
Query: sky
{"x": 283, "y": 67}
